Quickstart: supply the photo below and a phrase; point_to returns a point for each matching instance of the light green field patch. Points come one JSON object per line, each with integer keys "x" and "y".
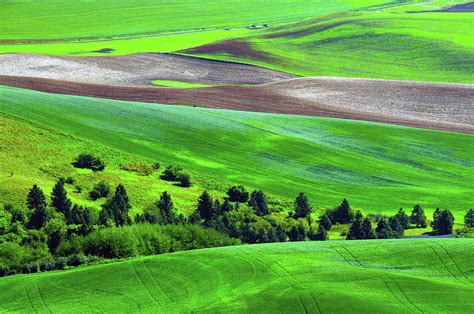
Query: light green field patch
{"x": 159, "y": 43}
{"x": 379, "y": 276}
{"x": 404, "y": 46}
{"x": 180, "y": 84}
{"x": 378, "y": 167}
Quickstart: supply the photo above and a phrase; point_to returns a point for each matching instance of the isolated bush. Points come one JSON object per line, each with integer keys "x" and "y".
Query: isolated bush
{"x": 88, "y": 161}
{"x": 171, "y": 173}
{"x": 101, "y": 189}
{"x": 184, "y": 179}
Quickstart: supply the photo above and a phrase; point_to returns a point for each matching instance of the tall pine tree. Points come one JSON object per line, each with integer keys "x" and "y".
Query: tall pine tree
{"x": 117, "y": 208}
{"x": 302, "y": 207}
{"x": 166, "y": 208}
{"x": 36, "y": 201}
{"x": 205, "y": 206}
{"x": 403, "y": 218}
{"x": 59, "y": 199}
{"x": 344, "y": 214}
{"x": 418, "y": 217}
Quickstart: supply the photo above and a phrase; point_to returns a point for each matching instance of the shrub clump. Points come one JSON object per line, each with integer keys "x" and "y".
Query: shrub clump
{"x": 101, "y": 189}
{"x": 88, "y": 161}
{"x": 141, "y": 168}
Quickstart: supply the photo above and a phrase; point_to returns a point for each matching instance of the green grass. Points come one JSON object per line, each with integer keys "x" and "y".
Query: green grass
{"x": 421, "y": 46}
{"x": 22, "y": 20}
{"x": 390, "y": 276}
{"x": 378, "y": 167}
{"x": 160, "y": 43}
{"x": 180, "y": 84}
{"x": 81, "y": 28}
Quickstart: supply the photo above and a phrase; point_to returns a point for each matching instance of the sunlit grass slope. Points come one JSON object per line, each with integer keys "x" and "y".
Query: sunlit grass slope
{"x": 406, "y": 46}
{"x": 390, "y": 276}
{"x": 28, "y": 20}
{"x": 377, "y": 167}
{"x": 84, "y": 28}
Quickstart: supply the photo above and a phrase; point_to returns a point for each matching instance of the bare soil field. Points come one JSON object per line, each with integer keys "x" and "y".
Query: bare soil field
{"x": 135, "y": 69}
{"x": 467, "y": 7}
{"x": 425, "y": 105}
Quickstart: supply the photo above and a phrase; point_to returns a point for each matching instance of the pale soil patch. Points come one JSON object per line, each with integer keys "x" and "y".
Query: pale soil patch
{"x": 135, "y": 69}
{"x": 435, "y": 102}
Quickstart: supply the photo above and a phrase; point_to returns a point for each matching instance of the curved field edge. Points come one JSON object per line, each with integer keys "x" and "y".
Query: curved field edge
{"x": 378, "y": 167}
{"x": 421, "y": 47}
{"x": 388, "y": 276}
{"x": 65, "y": 20}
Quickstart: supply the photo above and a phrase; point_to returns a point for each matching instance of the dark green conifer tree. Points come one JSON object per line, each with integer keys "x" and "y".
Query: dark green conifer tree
{"x": 302, "y": 207}
{"x": 326, "y": 222}
{"x": 396, "y": 226}
{"x": 36, "y": 201}
{"x": 418, "y": 217}
{"x": 59, "y": 199}
{"x": 403, "y": 218}
{"x": 258, "y": 202}
{"x": 117, "y": 208}
{"x": 205, "y": 206}
{"x": 166, "y": 208}
{"x": 444, "y": 222}
{"x": 383, "y": 230}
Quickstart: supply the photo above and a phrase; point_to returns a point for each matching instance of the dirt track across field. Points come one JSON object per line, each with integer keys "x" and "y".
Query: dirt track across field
{"x": 425, "y": 105}
{"x": 135, "y": 69}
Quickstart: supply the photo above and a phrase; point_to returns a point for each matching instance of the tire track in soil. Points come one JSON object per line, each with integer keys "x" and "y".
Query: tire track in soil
{"x": 29, "y": 299}
{"x": 381, "y": 277}
{"x": 444, "y": 264}
{"x": 74, "y": 292}
{"x": 40, "y": 293}
{"x": 454, "y": 262}
{"x": 294, "y": 284}
{"x": 158, "y": 286}
{"x": 140, "y": 280}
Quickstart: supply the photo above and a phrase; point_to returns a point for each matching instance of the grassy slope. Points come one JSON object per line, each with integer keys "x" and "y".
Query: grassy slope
{"x": 20, "y": 20}
{"x": 421, "y": 46}
{"x": 196, "y": 20}
{"x": 390, "y": 276}
{"x": 378, "y": 167}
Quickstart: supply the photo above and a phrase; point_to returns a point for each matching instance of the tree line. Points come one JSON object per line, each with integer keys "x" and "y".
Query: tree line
{"x": 59, "y": 234}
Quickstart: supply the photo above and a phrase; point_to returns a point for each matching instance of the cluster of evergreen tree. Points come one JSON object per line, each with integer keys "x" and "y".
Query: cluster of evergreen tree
{"x": 65, "y": 230}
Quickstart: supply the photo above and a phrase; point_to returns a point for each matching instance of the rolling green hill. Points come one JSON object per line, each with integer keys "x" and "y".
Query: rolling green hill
{"x": 27, "y": 20}
{"x": 379, "y": 168}
{"x": 391, "y": 276}
{"x": 404, "y": 46}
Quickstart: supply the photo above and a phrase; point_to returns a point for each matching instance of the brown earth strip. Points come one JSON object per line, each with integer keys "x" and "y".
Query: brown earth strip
{"x": 135, "y": 69}
{"x": 231, "y": 47}
{"x": 281, "y": 98}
